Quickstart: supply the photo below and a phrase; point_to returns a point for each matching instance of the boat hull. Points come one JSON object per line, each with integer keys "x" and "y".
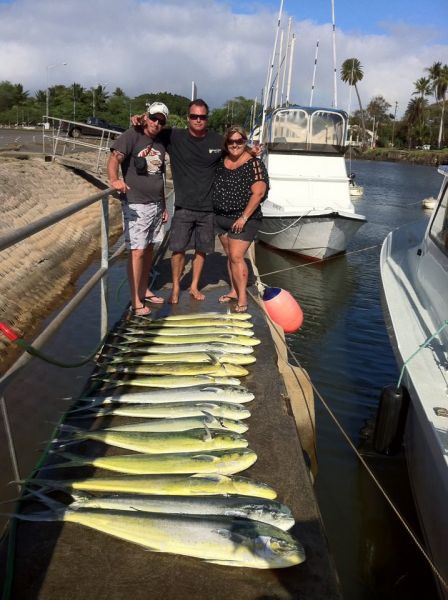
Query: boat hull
{"x": 415, "y": 288}
{"x": 315, "y": 237}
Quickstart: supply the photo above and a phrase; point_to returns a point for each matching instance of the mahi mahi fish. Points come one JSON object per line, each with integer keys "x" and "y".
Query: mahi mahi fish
{"x": 210, "y": 348}
{"x": 181, "y": 357}
{"x": 168, "y": 381}
{"x": 183, "y": 424}
{"x": 243, "y": 507}
{"x": 219, "y": 540}
{"x": 147, "y": 331}
{"x": 195, "y": 338}
{"x": 170, "y": 410}
{"x": 226, "y": 462}
{"x": 233, "y": 394}
{"x": 159, "y": 443}
{"x": 192, "y": 322}
{"x": 177, "y": 369}
{"x": 178, "y": 485}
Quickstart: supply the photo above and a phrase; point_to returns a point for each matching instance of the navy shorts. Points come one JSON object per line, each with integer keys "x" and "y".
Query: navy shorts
{"x": 223, "y": 226}
{"x": 192, "y": 229}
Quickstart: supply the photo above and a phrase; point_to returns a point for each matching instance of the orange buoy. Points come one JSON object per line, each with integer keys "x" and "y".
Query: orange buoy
{"x": 283, "y": 309}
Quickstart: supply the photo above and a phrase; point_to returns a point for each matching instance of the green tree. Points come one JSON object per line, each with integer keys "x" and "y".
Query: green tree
{"x": 438, "y": 75}
{"x": 352, "y": 73}
{"x": 414, "y": 118}
{"x": 378, "y": 112}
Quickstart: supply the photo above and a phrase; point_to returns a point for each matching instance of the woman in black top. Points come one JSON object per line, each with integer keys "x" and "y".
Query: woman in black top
{"x": 241, "y": 184}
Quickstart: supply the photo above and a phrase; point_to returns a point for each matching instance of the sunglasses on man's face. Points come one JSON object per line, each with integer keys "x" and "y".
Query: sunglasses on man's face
{"x": 155, "y": 119}
{"x": 194, "y": 117}
{"x": 238, "y": 142}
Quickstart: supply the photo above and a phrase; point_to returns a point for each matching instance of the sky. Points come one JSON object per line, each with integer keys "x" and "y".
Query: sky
{"x": 224, "y": 46}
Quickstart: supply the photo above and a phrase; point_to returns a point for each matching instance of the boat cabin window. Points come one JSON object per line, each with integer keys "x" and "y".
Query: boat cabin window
{"x": 300, "y": 129}
{"x": 439, "y": 227}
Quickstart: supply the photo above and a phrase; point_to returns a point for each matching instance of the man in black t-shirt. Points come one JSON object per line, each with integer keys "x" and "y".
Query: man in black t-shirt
{"x": 142, "y": 161}
{"x": 194, "y": 154}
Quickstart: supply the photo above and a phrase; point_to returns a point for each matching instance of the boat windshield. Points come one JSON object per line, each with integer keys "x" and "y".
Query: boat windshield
{"x": 299, "y": 129}
{"x": 439, "y": 227}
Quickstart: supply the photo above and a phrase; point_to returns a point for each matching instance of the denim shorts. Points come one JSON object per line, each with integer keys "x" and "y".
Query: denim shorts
{"x": 223, "y": 226}
{"x": 192, "y": 229}
{"x": 142, "y": 224}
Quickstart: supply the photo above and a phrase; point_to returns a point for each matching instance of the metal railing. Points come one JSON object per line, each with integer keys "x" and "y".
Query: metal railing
{"x": 58, "y": 136}
{"x": 11, "y": 238}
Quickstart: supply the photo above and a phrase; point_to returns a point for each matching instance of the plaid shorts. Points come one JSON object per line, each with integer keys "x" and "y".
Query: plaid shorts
{"x": 142, "y": 224}
{"x": 192, "y": 229}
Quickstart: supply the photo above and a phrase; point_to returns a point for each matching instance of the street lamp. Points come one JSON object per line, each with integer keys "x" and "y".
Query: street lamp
{"x": 47, "y": 95}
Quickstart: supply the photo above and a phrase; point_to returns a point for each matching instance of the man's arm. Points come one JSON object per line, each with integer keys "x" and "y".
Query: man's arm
{"x": 113, "y": 166}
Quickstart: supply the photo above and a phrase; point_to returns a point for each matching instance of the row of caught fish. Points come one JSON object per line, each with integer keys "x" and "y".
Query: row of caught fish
{"x": 181, "y": 478}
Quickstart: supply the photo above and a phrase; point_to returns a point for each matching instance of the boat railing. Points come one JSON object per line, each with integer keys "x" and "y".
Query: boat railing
{"x": 11, "y": 238}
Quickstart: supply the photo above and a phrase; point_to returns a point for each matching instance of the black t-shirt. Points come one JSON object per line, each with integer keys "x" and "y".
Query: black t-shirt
{"x": 193, "y": 163}
{"x": 232, "y": 188}
{"x": 147, "y": 186}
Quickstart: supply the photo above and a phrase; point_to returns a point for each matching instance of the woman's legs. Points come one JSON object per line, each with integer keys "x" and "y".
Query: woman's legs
{"x": 224, "y": 239}
{"x": 239, "y": 273}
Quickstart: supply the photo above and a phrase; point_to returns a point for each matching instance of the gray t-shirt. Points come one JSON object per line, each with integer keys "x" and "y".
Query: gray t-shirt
{"x": 145, "y": 187}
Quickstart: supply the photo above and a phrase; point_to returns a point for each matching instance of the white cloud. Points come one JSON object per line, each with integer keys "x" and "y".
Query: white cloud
{"x": 163, "y": 46}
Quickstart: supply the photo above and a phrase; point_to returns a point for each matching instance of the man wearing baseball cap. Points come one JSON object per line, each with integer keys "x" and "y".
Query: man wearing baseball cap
{"x": 142, "y": 161}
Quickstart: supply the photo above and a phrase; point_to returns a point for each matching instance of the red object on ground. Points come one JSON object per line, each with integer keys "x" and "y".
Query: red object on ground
{"x": 8, "y": 332}
{"x": 283, "y": 309}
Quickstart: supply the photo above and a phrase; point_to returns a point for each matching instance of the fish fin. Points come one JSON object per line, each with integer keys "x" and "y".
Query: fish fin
{"x": 237, "y": 538}
{"x": 225, "y": 563}
{"x": 53, "y": 505}
{"x": 204, "y": 458}
{"x": 213, "y": 358}
{"x": 209, "y": 419}
{"x": 207, "y": 437}
{"x": 212, "y": 477}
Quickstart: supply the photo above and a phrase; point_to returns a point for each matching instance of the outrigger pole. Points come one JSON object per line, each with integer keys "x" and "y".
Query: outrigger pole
{"x": 314, "y": 73}
{"x": 270, "y": 71}
{"x": 279, "y": 66}
{"x": 335, "y": 93}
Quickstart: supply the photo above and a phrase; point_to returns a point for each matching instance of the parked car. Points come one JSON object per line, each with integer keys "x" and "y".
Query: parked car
{"x": 75, "y": 130}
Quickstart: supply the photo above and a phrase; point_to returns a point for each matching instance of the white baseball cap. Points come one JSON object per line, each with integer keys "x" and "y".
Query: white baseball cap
{"x": 158, "y": 108}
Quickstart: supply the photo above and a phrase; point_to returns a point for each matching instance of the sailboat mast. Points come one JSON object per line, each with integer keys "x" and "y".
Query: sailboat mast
{"x": 270, "y": 71}
{"x": 335, "y": 93}
{"x": 288, "y": 89}
{"x": 288, "y": 48}
{"x": 279, "y": 65}
{"x": 314, "y": 73}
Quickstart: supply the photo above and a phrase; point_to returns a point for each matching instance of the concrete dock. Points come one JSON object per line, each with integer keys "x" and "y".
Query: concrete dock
{"x": 49, "y": 560}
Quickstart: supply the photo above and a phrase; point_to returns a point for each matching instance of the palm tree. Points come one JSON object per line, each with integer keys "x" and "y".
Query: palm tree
{"x": 352, "y": 73}
{"x": 414, "y": 117}
{"x": 438, "y": 75}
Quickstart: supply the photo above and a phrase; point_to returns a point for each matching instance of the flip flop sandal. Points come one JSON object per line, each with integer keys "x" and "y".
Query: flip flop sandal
{"x": 141, "y": 311}
{"x": 154, "y": 299}
{"x": 226, "y": 299}
{"x": 241, "y": 308}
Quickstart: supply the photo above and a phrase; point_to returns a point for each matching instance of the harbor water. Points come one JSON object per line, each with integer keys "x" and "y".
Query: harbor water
{"x": 344, "y": 346}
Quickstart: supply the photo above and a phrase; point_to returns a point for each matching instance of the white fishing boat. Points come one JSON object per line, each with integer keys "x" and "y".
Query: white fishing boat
{"x": 308, "y": 210}
{"x": 356, "y": 190}
{"x": 414, "y": 272}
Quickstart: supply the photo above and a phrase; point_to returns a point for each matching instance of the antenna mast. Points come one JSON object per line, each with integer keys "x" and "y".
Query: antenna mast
{"x": 288, "y": 89}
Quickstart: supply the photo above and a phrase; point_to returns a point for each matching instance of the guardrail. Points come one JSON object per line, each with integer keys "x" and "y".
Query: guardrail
{"x": 9, "y": 239}
{"x": 58, "y": 137}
